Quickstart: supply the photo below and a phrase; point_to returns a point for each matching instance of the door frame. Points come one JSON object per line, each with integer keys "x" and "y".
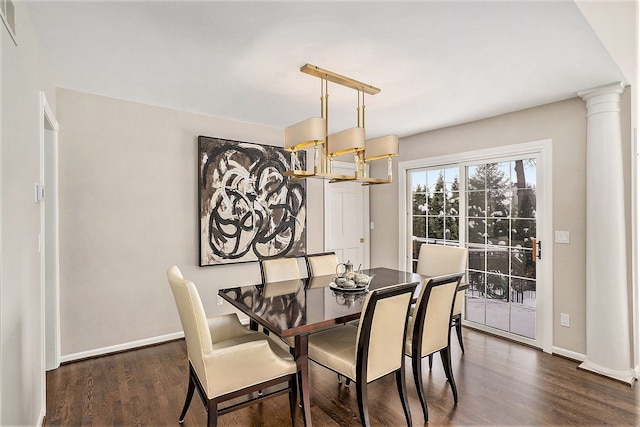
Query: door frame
{"x": 544, "y": 219}
{"x": 366, "y": 232}
{"x": 50, "y": 318}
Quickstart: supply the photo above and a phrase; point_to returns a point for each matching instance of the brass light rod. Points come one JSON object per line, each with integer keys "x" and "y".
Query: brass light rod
{"x": 337, "y": 78}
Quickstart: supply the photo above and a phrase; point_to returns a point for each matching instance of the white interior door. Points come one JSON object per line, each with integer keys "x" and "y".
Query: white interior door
{"x": 346, "y": 213}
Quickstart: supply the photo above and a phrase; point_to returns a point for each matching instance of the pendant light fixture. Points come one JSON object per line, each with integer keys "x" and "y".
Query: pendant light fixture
{"x": 313, "y": 133}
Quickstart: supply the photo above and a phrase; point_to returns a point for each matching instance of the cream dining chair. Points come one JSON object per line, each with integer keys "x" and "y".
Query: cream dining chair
{"x": 438, "y": 260}
{"x": 429, "y": 330}
{"x": 226, "y": 360}
{"x": 373, "y": 349}
{"x": 279, "y": 269}
{"x": 322, "y": 264}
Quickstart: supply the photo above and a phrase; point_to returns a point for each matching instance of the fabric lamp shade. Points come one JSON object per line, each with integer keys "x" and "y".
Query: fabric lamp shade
{"x": 307, "y": 133}
{"x": 386, "y": 146}
{"x": 347, "y": 141}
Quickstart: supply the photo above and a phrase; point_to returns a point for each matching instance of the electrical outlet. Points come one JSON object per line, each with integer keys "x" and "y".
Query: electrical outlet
{"x": 564, "y": 320}
{"x": 220, "y": 300}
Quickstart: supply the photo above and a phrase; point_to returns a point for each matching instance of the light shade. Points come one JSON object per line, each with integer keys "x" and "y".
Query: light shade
{"x": 379, "y": 148}
{"x": 307, "y": 133}
{"x": 347, "y": 141}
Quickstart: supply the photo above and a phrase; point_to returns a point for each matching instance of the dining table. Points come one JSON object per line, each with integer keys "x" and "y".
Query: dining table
{"x": 293, "y": 309}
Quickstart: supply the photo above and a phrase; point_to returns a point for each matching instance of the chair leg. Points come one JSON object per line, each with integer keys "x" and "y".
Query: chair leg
{"x": 363, "y": 408}
{"x": 293, "y": 398}
{"x": 430, "y": 361}
{"x": 458, "y": 324}
{"x": 212, "y": 413}
{"x": 402, "y": 390}
{"x": 445, "y": 355}
{"x": 416, "y": 364}
{"x": 192, "y": 387}
{"x": 347, "y": 381}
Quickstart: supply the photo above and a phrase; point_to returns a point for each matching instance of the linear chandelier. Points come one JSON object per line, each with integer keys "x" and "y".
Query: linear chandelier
{"x": 313, "y": 133}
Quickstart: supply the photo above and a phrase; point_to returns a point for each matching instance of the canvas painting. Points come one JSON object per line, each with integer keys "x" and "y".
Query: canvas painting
{"x": 248, "y": 209}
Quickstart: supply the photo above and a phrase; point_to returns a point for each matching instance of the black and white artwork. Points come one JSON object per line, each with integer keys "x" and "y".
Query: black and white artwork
{"x": 248, "y": 209}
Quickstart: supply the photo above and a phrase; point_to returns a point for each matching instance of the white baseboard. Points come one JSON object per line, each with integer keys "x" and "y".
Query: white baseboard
{"x": 120, "y": 347}
{"x": 568, "y": 354}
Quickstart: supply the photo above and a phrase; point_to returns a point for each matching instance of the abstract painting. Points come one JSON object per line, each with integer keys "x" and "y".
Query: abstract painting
{"x": 248, "y": 209}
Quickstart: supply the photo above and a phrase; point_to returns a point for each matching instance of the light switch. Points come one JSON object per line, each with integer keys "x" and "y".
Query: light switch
{"x": 562, "y": 237}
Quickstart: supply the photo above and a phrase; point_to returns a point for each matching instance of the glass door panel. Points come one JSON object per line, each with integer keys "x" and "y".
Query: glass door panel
{"x": 501, "y": 228}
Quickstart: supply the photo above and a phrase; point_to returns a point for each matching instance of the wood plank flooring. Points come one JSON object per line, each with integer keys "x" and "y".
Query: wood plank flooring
{"x": 499, "y": 383}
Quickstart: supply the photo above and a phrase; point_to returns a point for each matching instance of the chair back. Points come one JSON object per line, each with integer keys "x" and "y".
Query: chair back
{"x": 193, "y": 319}
{"x": 382, "y": 331}
{"x": 430, "y": 326}
{"x": 279, "y": 269}
{"x": 322, "y": 264}
{"x": 438, "y": 260}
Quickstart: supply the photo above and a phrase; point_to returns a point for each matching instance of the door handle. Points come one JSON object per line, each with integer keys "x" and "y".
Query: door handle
{"x": 537, "y": 250}
{"x": 362, "y": 240}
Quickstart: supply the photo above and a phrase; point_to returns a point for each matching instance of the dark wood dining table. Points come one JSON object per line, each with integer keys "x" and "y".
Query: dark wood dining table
{"x": 296, "y": 308}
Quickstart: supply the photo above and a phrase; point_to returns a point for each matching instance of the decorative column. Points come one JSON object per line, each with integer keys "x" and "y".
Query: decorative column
{"x": 608, "y": 331}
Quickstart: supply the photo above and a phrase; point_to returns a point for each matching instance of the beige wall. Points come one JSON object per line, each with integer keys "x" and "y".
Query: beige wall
{"x": 22, "y": 77}
{"x": 128, "y": 211}
{"x": 565, "y": 124}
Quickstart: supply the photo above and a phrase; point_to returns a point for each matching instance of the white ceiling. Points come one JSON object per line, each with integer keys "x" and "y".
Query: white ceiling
{"x": 437, "y": 63}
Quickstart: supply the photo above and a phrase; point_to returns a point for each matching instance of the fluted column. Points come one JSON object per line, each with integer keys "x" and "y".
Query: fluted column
{"x": 608, "y": 332}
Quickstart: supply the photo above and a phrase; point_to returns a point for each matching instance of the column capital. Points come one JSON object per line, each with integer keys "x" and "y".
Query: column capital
{"x": 608, "y": 89}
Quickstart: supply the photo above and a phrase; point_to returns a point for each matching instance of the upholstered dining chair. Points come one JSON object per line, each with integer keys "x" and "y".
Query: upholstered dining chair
{"x": 372, "y": 350}
{"x": 322, "y": 264}
{"x": 438, "y": 260}
{"x": 429, "y": 330}
{"x": 226, "y": 360}
{"x": 279, "y": 269}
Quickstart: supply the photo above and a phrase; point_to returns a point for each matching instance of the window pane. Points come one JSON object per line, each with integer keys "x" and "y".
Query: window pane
{"x": 452, "y": 179}
{"x": 476, "y": 205}
{"x": 497, "y": 175}
{"x": 419, "y": 227}
{"x": 497, "y": 286}
{"x": 451, "y": 229}
{"x": 452, "y": 203}
{"x": 436, "y": 204}
{"x": 476, "y": 178}
{"x": 419, "y": 203}
{"x": 476, "y": 283}
{"x": 476, "y": 257}
{"x": 476, "y": 232}
{"x": 497, "y": 315}
{"x": 498, "y": 260}
{"x": 522, "y": 231}
{"x": 418, "y": 181}
{"x": 522, "y": 264}
{"x": 524, "y": 173}
{"x": 498, "y": 232}
{"x": 498, "y": 202}
{"x": 436, "y": 227}
{"x": 434, "y": 178}
{"x": 524, "y": 203}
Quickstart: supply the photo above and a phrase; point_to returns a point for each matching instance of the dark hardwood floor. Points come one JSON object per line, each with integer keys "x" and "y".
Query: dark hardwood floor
{"x": 499, "y": 383}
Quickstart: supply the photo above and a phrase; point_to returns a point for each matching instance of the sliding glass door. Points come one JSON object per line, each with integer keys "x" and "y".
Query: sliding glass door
{"x": 490, "y": 208}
